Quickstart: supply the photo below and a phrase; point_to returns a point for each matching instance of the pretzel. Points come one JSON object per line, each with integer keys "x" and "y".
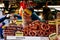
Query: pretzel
{"x": 25, "y": 32}
{"x": 32, "y": 33}
{"x": 45, "y": 26}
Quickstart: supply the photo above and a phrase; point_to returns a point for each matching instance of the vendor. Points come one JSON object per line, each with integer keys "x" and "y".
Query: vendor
{"x": 46, "y": 11}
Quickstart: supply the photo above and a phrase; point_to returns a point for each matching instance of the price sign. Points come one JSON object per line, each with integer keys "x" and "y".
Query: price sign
{"x": 52, "y": 22}
{"x": 18, "y": 33}
{"x": 19, "y": 22}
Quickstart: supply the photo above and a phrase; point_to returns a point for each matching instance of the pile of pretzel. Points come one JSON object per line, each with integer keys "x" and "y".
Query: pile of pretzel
{"x": 11, "y": 30}
{"x": 37, "y": 28}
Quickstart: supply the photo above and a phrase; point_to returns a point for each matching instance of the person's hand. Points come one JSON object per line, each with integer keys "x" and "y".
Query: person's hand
{"x": 8, "y": 15}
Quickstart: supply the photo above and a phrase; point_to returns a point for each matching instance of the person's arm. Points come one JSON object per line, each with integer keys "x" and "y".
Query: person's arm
{"x": 2, "y": 19}
{"x": 35, "y": 16}
{"x": 5, "y": 17}
{"x": 1, "y": 24}
{"x": 19, "y": 17}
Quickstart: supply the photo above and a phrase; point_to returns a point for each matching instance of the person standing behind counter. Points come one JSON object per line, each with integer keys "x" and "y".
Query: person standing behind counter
{"x": 46, "y": 11}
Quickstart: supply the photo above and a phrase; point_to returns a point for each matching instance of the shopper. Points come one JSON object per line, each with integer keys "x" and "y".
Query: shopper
{"x": 6, "y": 4}
{"x": 46, "y": 11}
{"x": 1, "y": 30}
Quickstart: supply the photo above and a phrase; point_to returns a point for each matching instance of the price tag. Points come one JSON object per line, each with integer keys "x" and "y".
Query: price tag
{"x": 52, "y": 36}
{"x": 19, "y": 22}
{"x": 18, "y": 33}
{"x": 52, "y": 22}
